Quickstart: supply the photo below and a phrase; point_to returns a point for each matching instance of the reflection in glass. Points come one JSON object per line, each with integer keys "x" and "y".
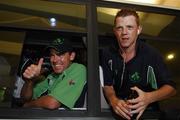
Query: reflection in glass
{"x": 10, "y": 51}
{"x": 175, "y": 4}
{"x": 153, "y": 24}
{"x": 36, "y": 14}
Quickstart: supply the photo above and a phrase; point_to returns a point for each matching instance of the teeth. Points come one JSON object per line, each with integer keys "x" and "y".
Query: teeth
{"x": 57, "y": 65}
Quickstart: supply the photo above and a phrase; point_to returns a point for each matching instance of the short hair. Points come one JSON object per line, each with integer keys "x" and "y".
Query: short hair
{"x": 127, "y": 12}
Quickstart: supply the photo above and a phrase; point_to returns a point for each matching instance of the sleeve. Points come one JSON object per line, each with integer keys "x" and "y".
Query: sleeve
{"x": 40, "y": 88}
{"x": 69, "y": 89}
{"x": 106, "y": 64}
{"x": 162, "y": 72}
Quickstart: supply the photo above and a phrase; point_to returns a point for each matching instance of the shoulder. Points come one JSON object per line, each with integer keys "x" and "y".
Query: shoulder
{"x": 76, "y": 70}
{"x": 148, "y": 50}
{"x": 77, "y": 66}
{"x": 108, "y": 51}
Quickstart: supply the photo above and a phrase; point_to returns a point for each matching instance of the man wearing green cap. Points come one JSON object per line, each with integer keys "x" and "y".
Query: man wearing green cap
{"x": 62, "y": 87}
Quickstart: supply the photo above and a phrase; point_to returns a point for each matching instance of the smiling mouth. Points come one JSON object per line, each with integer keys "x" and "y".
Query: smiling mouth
{"x": 57, "y": 65}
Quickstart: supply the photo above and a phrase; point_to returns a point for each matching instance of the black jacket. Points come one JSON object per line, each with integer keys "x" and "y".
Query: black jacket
{"x": 146, "y": 70}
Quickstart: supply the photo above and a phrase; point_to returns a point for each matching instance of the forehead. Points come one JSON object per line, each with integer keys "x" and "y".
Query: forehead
{"x": 127, "y": 20}
{"x": 55, "y": 52}
{"x": 52, "y": 50}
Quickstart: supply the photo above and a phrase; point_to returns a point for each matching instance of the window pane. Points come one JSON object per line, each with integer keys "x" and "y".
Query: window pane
{"x": 34, "y": 48}
{"x": 154, "y": 25}
{"x": 42, "y": 21}
{"x": 175, "y": 4}
{"x": 43, "y": 15}
{"x": 10, "y": 52}
{"x": 159, "y": 30}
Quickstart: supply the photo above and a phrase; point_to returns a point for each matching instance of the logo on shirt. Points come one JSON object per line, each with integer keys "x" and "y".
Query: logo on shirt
{"x": 135, "y": 77}
{"x": 71, "y": 82}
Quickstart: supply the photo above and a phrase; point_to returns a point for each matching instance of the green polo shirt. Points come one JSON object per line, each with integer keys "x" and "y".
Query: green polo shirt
{"x": 65, "y": 87}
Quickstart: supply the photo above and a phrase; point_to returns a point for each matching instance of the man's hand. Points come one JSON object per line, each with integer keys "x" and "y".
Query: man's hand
{"x": 33, "y": 70}
{"x": 121, "y": 108}
{"x": 139, "y": 104}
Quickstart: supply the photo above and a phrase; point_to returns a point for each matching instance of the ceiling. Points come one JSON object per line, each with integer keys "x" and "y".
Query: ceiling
{"x": 72, "y": 17}
{"x": 173, "y": 4}
{"x": 36, "y": 13}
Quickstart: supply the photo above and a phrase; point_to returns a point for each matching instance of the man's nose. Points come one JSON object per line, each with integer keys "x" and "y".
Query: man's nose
{"x": 55, "y": 58}
{"x": 124, "y": 30}
{"x": 58, "y": 58}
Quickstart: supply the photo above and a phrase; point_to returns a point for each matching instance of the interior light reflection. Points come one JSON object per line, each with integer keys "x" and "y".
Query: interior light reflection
{"x": 52, "y": 22}
{"x": 170, "y": 56}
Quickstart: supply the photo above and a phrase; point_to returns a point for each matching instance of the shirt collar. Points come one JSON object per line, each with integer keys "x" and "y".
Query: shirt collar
{"x": 137, "y": 47}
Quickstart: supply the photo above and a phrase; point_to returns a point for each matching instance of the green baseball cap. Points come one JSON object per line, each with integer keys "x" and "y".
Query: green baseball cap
{"x": 61, "y": 45}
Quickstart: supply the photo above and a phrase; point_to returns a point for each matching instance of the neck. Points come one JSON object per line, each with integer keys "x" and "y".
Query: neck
{"x": 128, "y": 53}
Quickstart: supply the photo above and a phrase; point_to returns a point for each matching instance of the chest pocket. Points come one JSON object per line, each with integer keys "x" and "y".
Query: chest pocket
{"x": 151, "y": 78}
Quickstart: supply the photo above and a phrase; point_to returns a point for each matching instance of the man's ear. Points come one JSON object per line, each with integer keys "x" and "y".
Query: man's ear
{"x": 72, "y": 56}
{"x": 139, "y": 29}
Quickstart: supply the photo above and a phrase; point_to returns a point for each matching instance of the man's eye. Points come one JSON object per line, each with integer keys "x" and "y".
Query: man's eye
{"x": 119, "y": 28}
{"x": 58, "y": 54}
{"x": 130, "y": 27}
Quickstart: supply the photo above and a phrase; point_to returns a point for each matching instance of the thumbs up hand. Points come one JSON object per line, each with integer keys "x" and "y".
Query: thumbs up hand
{"x": 33, "y": 70}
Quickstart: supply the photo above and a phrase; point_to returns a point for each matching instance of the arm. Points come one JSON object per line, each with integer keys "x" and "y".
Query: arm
{"x": 166, "y": 89}
{"x": 47, "y": 102}
{"x": 31, "y": 75}
{"x": 164, "y": 92}
{"x": 145, "y": 98}
{"x": 165, "y": 85}
{"x": 27, "y": 90}
{"x": 118, "y": 105}
{"x": 110, "y": 94}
